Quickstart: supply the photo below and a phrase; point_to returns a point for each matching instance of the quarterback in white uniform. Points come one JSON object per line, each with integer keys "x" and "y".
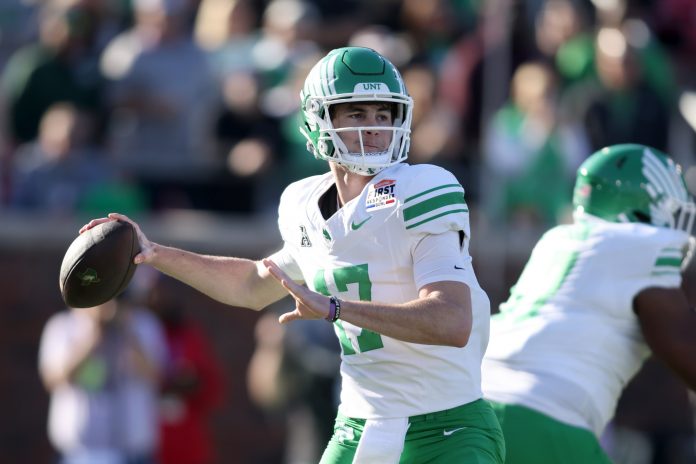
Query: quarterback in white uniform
{"x": 380, "y": 249}
{"x": 366, "y": 252}
{"x": 592, "y": 302}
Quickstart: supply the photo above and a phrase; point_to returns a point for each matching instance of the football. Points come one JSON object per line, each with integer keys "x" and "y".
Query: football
{"x": 98, "y": 264}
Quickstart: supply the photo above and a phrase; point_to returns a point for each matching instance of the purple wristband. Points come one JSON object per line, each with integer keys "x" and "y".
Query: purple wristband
{"x": 334, "y": 309}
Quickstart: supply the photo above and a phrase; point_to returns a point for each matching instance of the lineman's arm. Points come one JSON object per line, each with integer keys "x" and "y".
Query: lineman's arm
{"x": 233, "y": 281}
{"x": 669, "y": 327}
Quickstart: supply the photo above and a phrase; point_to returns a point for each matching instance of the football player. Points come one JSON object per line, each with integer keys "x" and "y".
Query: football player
{"x": 379, "y": 248}
{"x": 595, "y": 299}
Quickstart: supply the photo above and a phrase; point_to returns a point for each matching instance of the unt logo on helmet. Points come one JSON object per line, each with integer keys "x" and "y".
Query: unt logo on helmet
{"x": 370, "y": 87}
{"x": 89, "y": 277}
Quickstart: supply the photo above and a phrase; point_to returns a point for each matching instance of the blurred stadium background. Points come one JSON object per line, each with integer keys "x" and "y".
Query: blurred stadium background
{"x": 183, "y": 114}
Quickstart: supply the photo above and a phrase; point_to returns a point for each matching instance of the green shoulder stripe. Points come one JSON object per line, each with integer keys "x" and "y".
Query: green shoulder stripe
{"x": 413, "y": 197}
{"x": 673, "y": 272}
{"x": 671, "y": 250}
{"x": 463, "y": 210}
{"x": 668, "y": 261}
{"x": 433, "y": 203}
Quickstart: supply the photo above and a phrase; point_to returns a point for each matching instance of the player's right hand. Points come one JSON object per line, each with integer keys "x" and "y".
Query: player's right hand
{"x": 146, "y": 246}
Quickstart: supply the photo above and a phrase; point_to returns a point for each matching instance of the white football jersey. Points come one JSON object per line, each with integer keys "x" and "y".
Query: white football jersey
{"x": 364, "y": 252}
{"x": 567, "y": 341}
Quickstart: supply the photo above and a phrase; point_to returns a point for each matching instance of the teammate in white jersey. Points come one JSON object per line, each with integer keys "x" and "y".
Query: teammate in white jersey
{"x": 594, "y": 300}
{"x": 379, "y": 248}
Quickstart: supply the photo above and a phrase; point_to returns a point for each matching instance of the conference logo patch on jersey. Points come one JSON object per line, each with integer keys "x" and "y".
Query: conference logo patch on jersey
{"x": 381, "y": 195}
{"x": 304, "y": 241}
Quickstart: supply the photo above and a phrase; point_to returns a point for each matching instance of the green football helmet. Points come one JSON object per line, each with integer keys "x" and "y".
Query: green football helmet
{"x": 634, "y": 183}
{"x": 355, "y": 74}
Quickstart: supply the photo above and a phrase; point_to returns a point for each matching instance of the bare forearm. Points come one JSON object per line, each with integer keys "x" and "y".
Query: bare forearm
{"x": 233, "y": 281}
{"x": 679, "y": 352}
{"x": 430, "y": 321}
{"x": 684, "y": 367}
{"x": 668, "y": 324}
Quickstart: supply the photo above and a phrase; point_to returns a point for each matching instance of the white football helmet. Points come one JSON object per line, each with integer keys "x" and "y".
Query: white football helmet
{"x": 355, "y": 74}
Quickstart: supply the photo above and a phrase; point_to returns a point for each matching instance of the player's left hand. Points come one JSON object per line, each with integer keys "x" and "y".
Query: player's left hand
{"x": 308, "y": 304}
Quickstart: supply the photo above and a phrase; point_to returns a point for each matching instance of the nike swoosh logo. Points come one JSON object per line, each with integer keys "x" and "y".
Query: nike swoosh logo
{"x": 458, "y": 268}
{"x": 447, "y": 433}
{"x": 355, "y": 226}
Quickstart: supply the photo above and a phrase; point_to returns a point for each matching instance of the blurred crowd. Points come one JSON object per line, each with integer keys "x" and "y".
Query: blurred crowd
{"x": 143, "y": 106}
{"x": 132, "y": 381}
{"x": 147, "y": 105}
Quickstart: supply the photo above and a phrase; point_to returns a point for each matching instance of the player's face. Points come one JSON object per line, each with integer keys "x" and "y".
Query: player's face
{"x": 362, "y": 115}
